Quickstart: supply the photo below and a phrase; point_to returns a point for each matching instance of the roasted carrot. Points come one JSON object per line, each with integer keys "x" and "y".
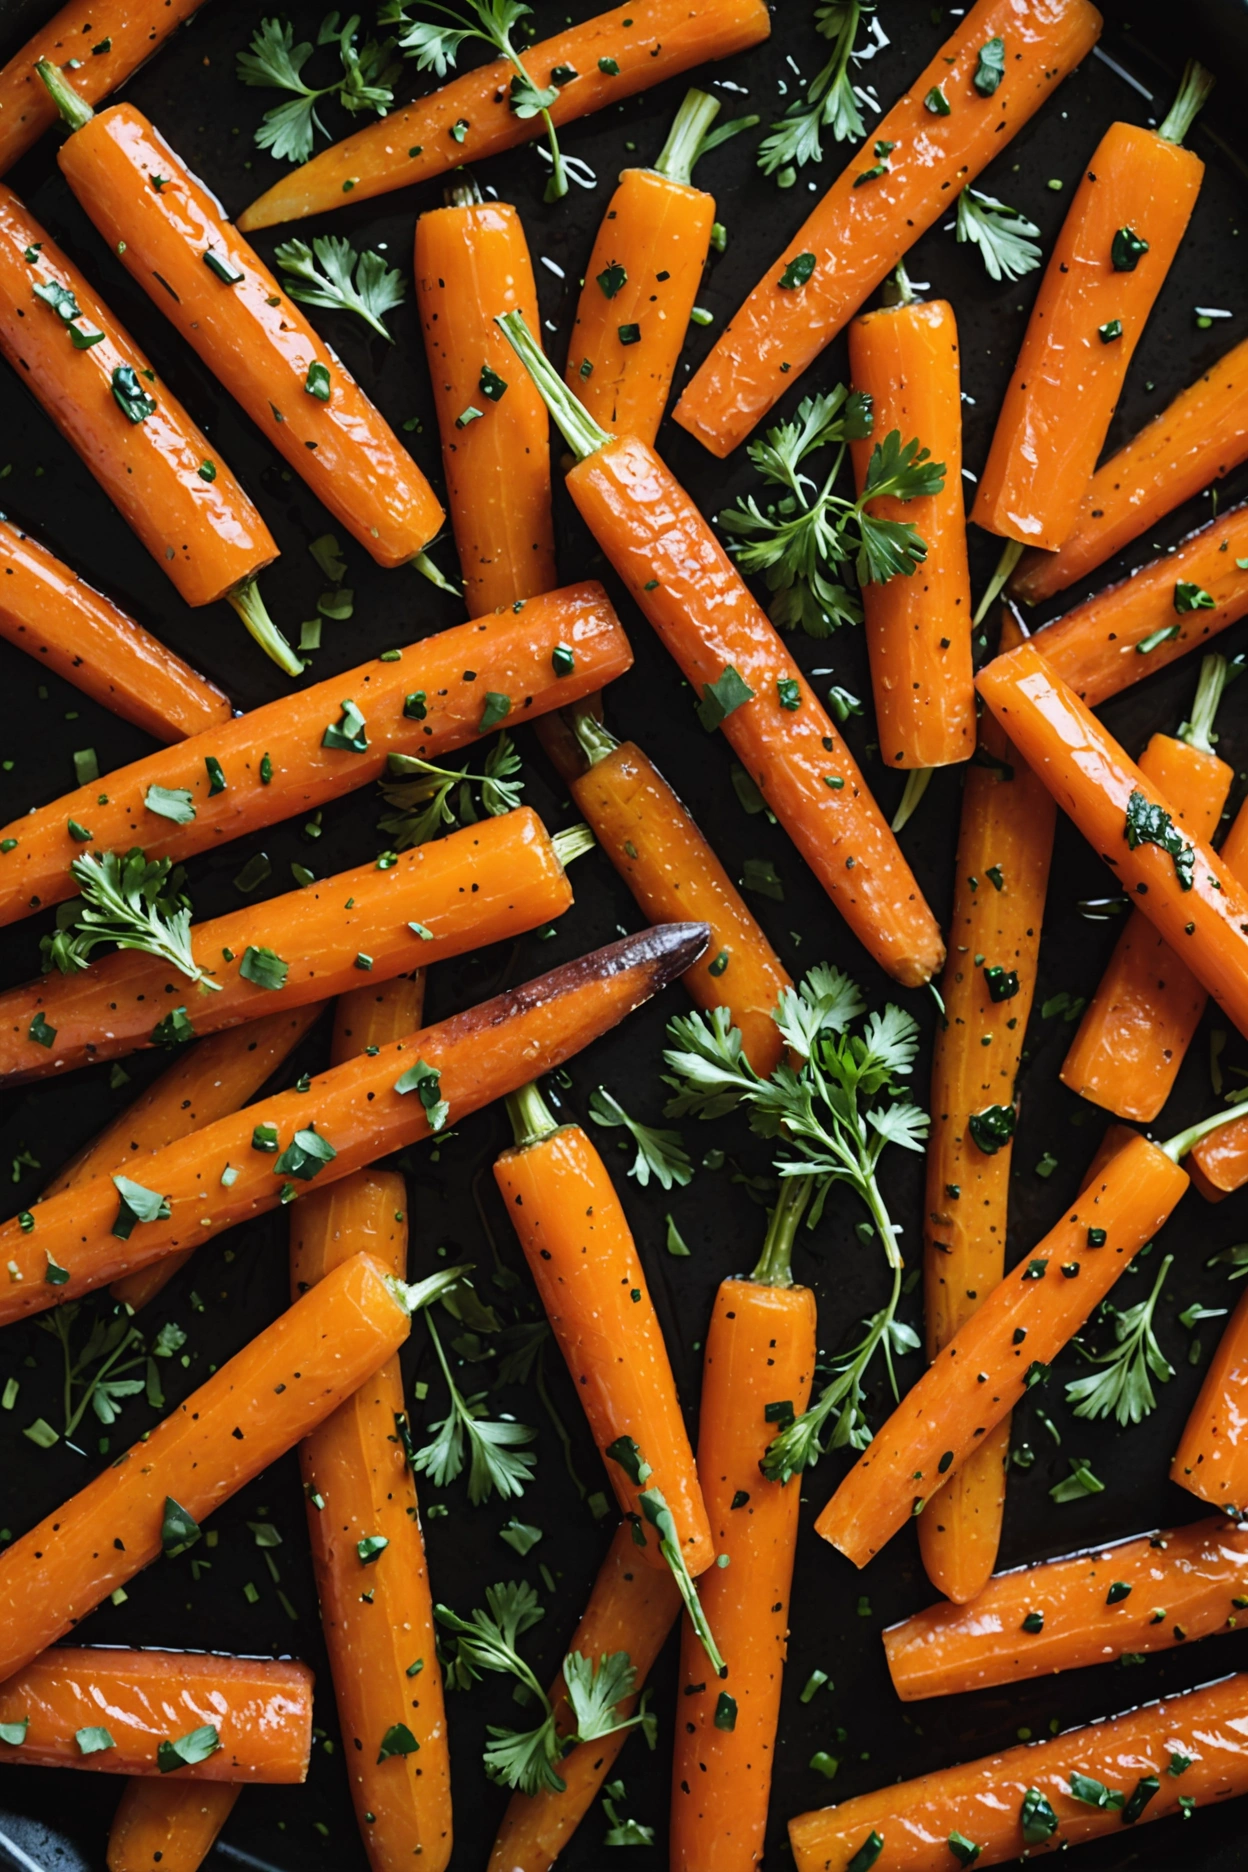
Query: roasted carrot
{"x": 1044, "y": 1796}
{"x": 347, "y": 1118}
{"x": 426, "y": 700}
{"x": 1139, "y": 1024}
{"x": 471, "y": 258}
{"x": 631, "y": 1608}
{"x": 373, "y": 1015}
{"x": 481, "y": 884}
{"x": 599, "y": 62}
{"x": 891, "y": 192}
{"x": 74, "y": 1696}
{"x": 1212, "y": 1456}
{"x": 918, "y": 629}
{"x": 756, "y": 1377}
{"x": 731, "y": 654}
{"x": 1197, "y": 440}
{"x": 586, "y": 1268}
{"x": 651, "y": 839}
{"x": 1185, "y": 890}
{"x": 1219, "y": 1163}
{"x": 168, "y": 1825}
{"x": 97, "y": 45}
{"x": 1005, "y": 843}
{"x": 57, "y": 618}
{"x": 1139, "y": 1595}
{"x": 159, "y": 470}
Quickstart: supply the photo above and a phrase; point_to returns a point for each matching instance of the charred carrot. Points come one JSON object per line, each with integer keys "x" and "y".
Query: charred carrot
{"x": 1139, "y": 1024}
{"x": 733, "y": 657}
{"x": 1188, "y": 894}
{"x": 651, "y": 839}
{"x": 481, "y": 884}
{"x": 348, "y": 1117}
{"x": 325, "y": 741}
{"x": 1212, "y": 1457}
{"x": 158, "y": 469}
{"x": 631, "y": 1608}
{"x": 1136, "y": 1596}
{"x": 472, "y": 257}
{"x": 1197, "y": 440}
{"x": 1005, "y": 843}
{"x": 168, "y": 1824}
{"x": 1164, "y": 1758}
{"x": 260, "y": 1708}
{"x": 890, "y": 193}
{"x": 585, "y": 1265}
{"x": 597, "y": 63}
{"x": 756, "y": 1378}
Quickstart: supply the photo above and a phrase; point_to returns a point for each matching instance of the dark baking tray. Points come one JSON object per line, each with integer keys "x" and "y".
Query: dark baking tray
{"x": 60, "y": 1821}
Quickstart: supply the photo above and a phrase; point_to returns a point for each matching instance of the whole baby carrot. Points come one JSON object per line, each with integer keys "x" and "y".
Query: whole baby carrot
{"x": 1136, "y": 1596}
{"x": 1212, "y": 1455}
{"x": 324, "y": 741}
{"x": 1219, "y": 1163}
{"x": 756, "y": 1378}
{"x": 1005, "y": 843}
{"x": 651, "y": 839}
{"x": 598, "y": 62}
{"x": 890, "y": 193}
{"x": 168, "y": 1824}
{"x": 472, "y": 258}
{"x": 735, "y": 660}
{"x": 1164, "y": 1758}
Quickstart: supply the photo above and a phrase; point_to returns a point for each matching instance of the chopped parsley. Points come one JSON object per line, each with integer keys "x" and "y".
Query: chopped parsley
{"x": 1149, "y": 824}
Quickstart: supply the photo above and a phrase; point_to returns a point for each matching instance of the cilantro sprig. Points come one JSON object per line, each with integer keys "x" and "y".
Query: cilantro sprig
{"x": 832, "y": 101}
{"x": 274, "y": 62}
{"x": 1122, "y": 1386}
{"x": 135, "y": 902}
{"x": 426, "y": 798}
{"x": 375, "y": 289}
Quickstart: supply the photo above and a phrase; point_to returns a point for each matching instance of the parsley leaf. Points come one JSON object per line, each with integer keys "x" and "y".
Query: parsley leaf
{"x": 134, "y": 902}
{"x": 832, "y": 101}
{"x": 375, "y": 290}
{"x": 720, "y": 699}
{"x": 264, "y": 967}
{"x": 426, "y": 797}
{"x": 624, "y": 1832}
{"x": 189, "y": 1749}
{"x": 1006, "y": 239}
{"x": 660, "y": 1154}
{"x": 498, "y": 1462}
{"x": 1122, "y": 1387}
{"x": 1150, "y": 824}
{"x": 274, "y": 62}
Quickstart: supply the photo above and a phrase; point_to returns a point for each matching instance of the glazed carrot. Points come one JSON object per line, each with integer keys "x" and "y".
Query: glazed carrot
{"x": 1116, "y": 245}
{"x": 1212, "y": 1456}
{"x": 1188, "y": 895}
{"x": 756, "y": 1374}
{"x": 586, "y": 1268}
{"x": 373, "y": 1015}
{"x": 1005, "y": 843}
{"x": 1137, "y": 1028}
{"x": 168, "y": 1824}
{"x": 354, "y": 1109}
{"x": 426, "y": 700}
{"x": 732, "y": 656}
{"x": 631, "y": 1608}
{"x": 57, "y": 618}
{"x": 1146, "y": 1594}
{"x": 1154, "y": 617}
{"x": 261, "y": 1709}
{"x": 471, "y": 258}
{"x": 159, "y": 470}
{"x": 1188, "y": 1749}
{"x": 905, "y": 357}
{"x": 1219, "y": 1163}
{"x": 481, "y": 884}
{"x": 471, "y": 118}
{"x": 652, "y": 841}
{"x": 1197, "y": 440}
{"x": 891, "y": 192}
{"x": 107, "y": 40}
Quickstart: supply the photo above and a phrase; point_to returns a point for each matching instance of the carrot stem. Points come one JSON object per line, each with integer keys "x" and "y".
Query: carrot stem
{"x": 1197, "y": 731}
{"x": 571, "y": 418}
{"x": 531, "y": 1117}
{"x": 250, "y": 606}
{"x": 1194, "y": 89}
{"x": 572, "y": 843}
{"x": 427, "y": 569}
{"x": 686, "y": 140}
{"x": 74, "y": 110}
{"x": 1011, "y": 553}
{"x": 595, "y": 738}
{"x": 775, "y": 1267}
{"x": 899, "y": 289}
{"x": 1178, "y": 1146}
{"x": 917, "y": 781}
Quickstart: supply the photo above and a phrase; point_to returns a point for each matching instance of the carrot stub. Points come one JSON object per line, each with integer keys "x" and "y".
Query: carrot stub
{"x": 168, "y": 1824}
{"x": 1212, "y": 1455}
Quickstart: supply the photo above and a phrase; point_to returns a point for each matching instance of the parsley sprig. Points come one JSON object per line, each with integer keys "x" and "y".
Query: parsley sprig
{"x": 115, "y": 1346}
{"x": 1122, "y": 1387}
{"x": 1005, "y": 238}
{"x": 426, "y": 798}
{"x": 375, "y": 289}
{"x": 275, "y": 62}
{"x": 135, "y": 902}
{"x": 831, "y": 102}
{"x": 498, "y": 1462}
{"x": 661, "y": 1154}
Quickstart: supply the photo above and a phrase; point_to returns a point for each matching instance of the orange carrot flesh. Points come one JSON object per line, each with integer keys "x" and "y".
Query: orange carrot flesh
{"x": 1094, "y": 782}
{"x": 205, "y": 534}
{"x": 441, "y": 683}
{"x": 471, "y": 118}
{"x": 631, "y": 1608}
{"x": 983, "y": 1372}
{"x": 57, "y": 618}
{"x": 250, "y": 333}
{"x": 372, "y": 1016}
{"x": 260, "y": 1707}
{"x": 471, "y": 262}
{"x": 918, "y": 629}
{"x": 983, "y": 1800}
{"x": 1141, "y": 1595}
{"x": 168, "y": 1824}
{"x": 1197, "y": 440}
{"x": 1219, "y": 1163}
{"x": 1005, "y": 844}
{"x": 482, "y": 884}
{"x": 1087, "y": 319}
{"x": 1212, "y": 1455}
{"x": 252, "y": 1410}
{"x": 480, "y": 1055}
{"x": 880, "y": 205}
{"x": 1136, "y": 1030}
{"x": 1134, "y": 628}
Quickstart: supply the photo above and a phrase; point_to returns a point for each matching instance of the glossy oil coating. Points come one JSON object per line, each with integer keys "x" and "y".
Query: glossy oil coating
{"x": 1212, "y": 1455}
{"x": 168, "y": 1824}
{"x": 447, "y": 675}
{"x": 860, "y": 230}
{"x": 375, "y": 1013}
{"x": 1219, "y": 1163}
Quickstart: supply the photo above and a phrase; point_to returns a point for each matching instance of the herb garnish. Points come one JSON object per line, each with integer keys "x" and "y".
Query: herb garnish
{"x": 376, "y": 289}
{"x": 275, "y": 62}
{"x": 427, "y": 797}
{"x": 135, "y": 902}
{"x": 660, "y": 1153}
{"x": 498, "y": 1462}
{"x": 1122, "y": 1387}
{"x": 188, "y": 1749}
{"x": 1149, "y": 824}
{"x": 131, "y": 398}
{"x": 990, "y": 67}
{"x": 1006, "y": 239}
{"x": 831, "y": 101}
